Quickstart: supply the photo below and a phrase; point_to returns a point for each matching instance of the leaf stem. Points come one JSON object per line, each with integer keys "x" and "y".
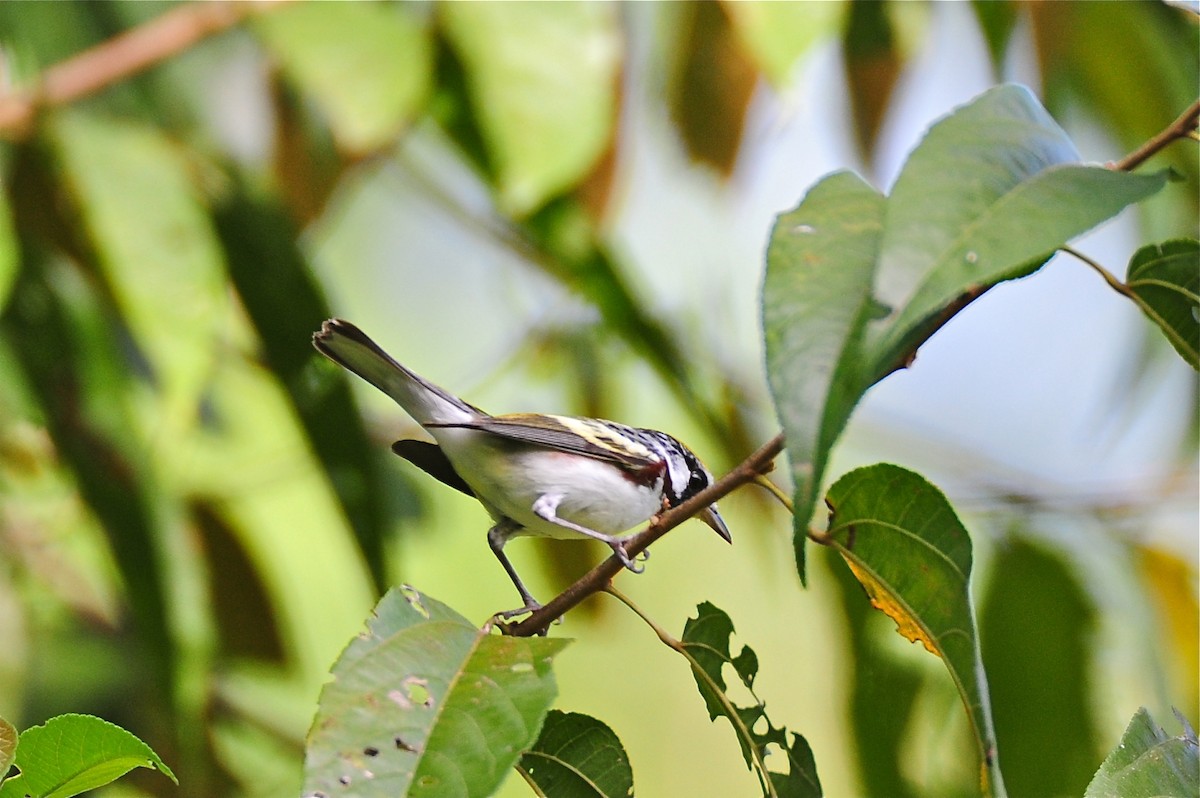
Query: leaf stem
{"x": 776, "y": 491}
{"x": 662, "y": 633}
{"x": 1113, "y": 282}
{"x": 743, "y": 732}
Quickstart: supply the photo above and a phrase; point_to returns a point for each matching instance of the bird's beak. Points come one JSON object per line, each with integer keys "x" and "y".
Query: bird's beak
{"x": 710, "y": 516}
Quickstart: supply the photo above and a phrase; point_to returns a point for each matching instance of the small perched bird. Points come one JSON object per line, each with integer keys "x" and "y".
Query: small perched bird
{"x": 535, "y": 474}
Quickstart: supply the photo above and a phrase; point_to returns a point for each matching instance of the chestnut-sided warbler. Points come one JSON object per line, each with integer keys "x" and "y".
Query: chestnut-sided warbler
{"x": 535, "y": 474}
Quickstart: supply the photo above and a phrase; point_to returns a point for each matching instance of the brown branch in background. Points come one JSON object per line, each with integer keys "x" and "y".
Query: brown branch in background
{"x": 1183, "y": 127}
{"x": 599, "y": 577}
{"x": 119, "y": 58}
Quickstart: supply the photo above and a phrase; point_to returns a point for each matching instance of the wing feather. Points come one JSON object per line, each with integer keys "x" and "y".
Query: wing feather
{"x": 566, "y": 434}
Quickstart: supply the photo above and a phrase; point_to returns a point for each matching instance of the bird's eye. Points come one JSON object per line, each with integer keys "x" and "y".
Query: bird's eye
{"x": 697, "y": 483}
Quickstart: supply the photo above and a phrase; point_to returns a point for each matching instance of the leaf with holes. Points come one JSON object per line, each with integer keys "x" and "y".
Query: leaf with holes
{"x": 909, "y": 551}
{"x": 1165, "y": 281}
{"x": 71, "y": 754}
{"x": 577, "y": 756}
{"x": 423, "y": 702}
{"x": 706, "y": 645}
{"x": 1148, "y": 763}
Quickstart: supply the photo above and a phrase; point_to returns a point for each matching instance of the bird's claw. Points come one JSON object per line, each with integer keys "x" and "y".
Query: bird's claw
{"x": 630, "y": 563}
{"x": 530, "y": 606}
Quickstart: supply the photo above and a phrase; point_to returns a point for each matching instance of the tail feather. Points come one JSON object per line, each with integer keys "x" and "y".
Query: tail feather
{"x": 351, "y": 348}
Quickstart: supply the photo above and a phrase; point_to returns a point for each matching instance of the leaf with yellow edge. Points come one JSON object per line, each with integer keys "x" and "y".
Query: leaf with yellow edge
{"x": 905, "y": 545}
{"x": 890, "y": 605}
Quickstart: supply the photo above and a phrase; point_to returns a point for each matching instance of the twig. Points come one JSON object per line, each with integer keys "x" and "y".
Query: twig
{"x": 599, "y": 577}
{"x": 1183, "y": 127}
{"x": 119, "y": 58}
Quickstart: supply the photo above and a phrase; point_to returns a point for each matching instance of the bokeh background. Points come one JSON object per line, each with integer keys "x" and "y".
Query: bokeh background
{"x": 557, "y": 207}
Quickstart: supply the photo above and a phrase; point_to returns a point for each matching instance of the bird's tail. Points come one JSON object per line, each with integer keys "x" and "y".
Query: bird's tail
{"x": 350, "y": 347}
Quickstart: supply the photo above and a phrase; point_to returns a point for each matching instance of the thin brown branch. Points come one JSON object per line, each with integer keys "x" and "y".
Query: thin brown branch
{"x": 119, "y": 58}
{"x": 599, "y": 577}
{"x": 1183, "y": 127}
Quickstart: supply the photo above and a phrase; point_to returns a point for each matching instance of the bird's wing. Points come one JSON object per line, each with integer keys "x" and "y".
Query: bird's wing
{"x": 575, "y": 435}
{"x": 430, "y": 458}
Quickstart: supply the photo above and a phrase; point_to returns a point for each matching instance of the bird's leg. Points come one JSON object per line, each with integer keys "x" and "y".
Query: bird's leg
{"x": 546, "y": 508}
{"x": 497, "y": 537}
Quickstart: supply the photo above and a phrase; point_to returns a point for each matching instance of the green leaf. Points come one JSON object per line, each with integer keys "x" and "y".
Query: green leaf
{"x": 706, "y": 646}
{"x": 8, "y": 746}
{"x": 10, "y": 256}
{"x": 1036, "y": 626}
{"x": 816, "y": 302}
{"x": 1131, "y": 96}
{"x": 72, "y": 754}
{"x": 542, "y": 79}
{"x": 276, "y": 286}
{"x": 152, "y": 240}
{"x": 1149, "y": 764}
{"x": 424, "y": 703}
{"x": 368, "y": 66}
{"x": 715, "y": 81}
{"x": 61, "y": 337}
{"x": 777, "y": 34}
{"x": 997, "y": 19}
{"x": 884, "y": 693}
{"x": 987, "y": 195}
{"x": 856, "y": 283}
{"x": 577, "y": 756}
{"x": 1165, "y": 281}
{"x": 909, "y": 551}
{"x": 873, "y": 56}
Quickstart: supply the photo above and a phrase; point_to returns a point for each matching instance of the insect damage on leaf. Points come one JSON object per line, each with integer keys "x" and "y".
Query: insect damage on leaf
{"x": 890, "y": 604}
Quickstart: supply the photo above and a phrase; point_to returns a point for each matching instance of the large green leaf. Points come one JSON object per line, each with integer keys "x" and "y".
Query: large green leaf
{"x": 1119, "y": 65}
{"x": 577, "y": 756}
{"x": 816, "y": 302}
{"x": 424, "y": 703}
{"x": 72, "y": 754}
{"x": 988, "y": 195}
{"x": 907, "y": 548}
{"x": 1165, "y": 281}
{"x": 542, "y": 79}
{"x": 855, "y": 283}
{"x": 1149, "y": 764}
{"x": 706, "y": 646}
{"x": 368, "y": 66}
{"x": 1036, "y": 624}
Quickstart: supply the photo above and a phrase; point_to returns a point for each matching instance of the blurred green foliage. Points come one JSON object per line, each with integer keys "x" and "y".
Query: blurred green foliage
{"x": 195, "y": 516}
